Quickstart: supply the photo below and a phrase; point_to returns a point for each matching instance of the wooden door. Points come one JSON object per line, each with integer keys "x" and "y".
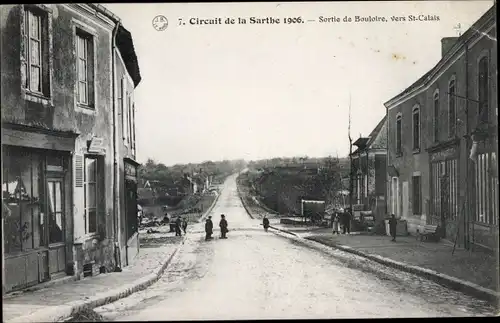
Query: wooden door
{"x": 445, "y": 204}
{"x": 56, "y": 224}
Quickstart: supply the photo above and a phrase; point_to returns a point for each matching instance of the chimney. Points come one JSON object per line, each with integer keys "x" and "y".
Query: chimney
{"x": 446, "y": 44}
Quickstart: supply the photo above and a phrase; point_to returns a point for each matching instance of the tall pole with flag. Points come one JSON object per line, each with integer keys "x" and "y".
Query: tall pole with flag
{"x": 351, "y": 184}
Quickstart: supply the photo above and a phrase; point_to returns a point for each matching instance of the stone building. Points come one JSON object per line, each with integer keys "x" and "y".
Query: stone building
{"x": 58, "y": 141}
{"x": 127, "y": 77}
{"x": 369, "y": 172}
{"x": 434, "y": 125}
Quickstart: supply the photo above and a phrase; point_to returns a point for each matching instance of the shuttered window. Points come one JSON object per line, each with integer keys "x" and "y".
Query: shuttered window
{"x": 486, "y": 189}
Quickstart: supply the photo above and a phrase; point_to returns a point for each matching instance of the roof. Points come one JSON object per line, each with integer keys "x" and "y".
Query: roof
{"x": 464, "y": 38}
{"x": 361, "y": 141}
{"x": 124, "y": 43}
{"x": 377, "y": 138}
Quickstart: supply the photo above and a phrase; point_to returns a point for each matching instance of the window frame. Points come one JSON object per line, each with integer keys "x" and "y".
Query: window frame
{"x": 90, "y": 35}
{"x": 43, "y": 96}
{"x": 399, "y": 135}
{"x": 452, "y": 118}
{"x": 416, "y": 195}
{"x": 98, "y": 188}
{"x": 417, "y": 144}
{"x": 395, "y": 195}
{"x": 436, "y": 111}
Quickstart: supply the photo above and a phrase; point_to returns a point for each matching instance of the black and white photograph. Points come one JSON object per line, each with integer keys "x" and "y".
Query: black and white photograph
{"x": 168, "y": 161}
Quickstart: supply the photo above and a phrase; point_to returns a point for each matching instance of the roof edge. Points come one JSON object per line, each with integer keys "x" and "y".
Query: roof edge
{"x": 461, "y": 41}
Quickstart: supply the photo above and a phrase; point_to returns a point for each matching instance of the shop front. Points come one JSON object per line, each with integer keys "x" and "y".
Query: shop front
{"x": 36, "y": 199}
{"x": 131, "y": 219}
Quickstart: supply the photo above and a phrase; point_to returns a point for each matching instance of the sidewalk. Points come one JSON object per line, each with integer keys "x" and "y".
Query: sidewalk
{"x": 61, "y": 301}
{"x": 474, "y": 273}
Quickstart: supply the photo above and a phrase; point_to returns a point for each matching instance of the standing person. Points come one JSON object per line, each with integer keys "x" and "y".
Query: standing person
{"x": 347, "y": 221}
{"x": 139, "y": 215}
{"x": 223, "y": 227}
{"x": 265, "y": 223}
{"x": 392, "y": 226}
{"x": 178, "y": 227}
{"x": 336, "y": 224}
{"x": 165, "y": 219}
{"x": 184, "y": 225}
{"x": 209, "y": 226}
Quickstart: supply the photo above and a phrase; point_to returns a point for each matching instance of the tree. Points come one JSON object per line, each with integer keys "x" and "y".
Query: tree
{"x": 329, "y": 179}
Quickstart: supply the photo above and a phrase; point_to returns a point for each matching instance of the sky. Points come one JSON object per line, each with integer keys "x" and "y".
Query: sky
{"x": 255, "y": 91}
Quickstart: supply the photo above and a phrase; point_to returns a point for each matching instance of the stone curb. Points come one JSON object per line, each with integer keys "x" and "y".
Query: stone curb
{"x": 442, "y": 279}
{"x": 465, "y": 287}
{"x": 66, "y": 311}
{"x": 456, "y": 284}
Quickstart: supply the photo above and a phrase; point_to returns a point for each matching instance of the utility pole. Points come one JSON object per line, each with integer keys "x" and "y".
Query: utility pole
{"x": 351, "y": 184}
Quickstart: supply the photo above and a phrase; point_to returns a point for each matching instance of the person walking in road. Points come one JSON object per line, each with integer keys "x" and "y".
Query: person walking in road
{"x": 184, "y": 225}
{"x": 178, "y": 227}
{"x": 209, "y": 226}
{"x": 393, "y": 222}
{"x": 265, "y": 223}
{"x": 223, "y": 227}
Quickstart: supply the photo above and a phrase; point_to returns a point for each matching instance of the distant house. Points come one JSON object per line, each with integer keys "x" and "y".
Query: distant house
{"x": 369, "y": 170}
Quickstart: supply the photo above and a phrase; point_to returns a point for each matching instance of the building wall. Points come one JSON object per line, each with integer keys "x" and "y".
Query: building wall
{"x": 484, "y": 233}
{"x": 372, "y": 196}
{"x": 59, "y": 111}
{"x": 408, "y": 163}
{"x": 452, "y": 151}
{"x": 129, "y": 245}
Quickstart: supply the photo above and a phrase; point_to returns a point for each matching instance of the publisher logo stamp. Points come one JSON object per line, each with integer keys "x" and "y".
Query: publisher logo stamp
{"x": 160, "y": 23}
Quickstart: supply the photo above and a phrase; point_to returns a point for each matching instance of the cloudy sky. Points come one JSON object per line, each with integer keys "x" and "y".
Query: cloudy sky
{"x": 255, "y": 91}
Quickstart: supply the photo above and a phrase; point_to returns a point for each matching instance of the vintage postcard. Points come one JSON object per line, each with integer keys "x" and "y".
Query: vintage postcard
{"x": 249, "y": 160}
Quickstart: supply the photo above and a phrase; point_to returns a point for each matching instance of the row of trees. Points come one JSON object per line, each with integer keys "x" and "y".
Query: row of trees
{"x": 282, "y": 182}
{"x": 172, "y": 175}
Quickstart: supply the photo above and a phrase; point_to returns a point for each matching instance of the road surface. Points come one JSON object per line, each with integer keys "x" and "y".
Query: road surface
{"x": 258, "y": 275}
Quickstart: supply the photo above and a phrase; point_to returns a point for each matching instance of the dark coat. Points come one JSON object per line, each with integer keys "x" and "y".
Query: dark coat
{"x": 392, "y": 225}
{"x": 223, "y": 225}
{"x": 345, "y": 217}
{"x": 209, "y": 226}
{"x": 184, "y": 224}
{"x": 265, "y": 222}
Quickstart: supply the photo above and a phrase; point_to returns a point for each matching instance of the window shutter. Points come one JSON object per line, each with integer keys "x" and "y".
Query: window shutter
{"x": 78, "y": 171}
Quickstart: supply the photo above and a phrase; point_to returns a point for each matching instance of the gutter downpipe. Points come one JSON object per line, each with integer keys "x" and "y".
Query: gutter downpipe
{"x": 116, "y": 202}
{"x": 467, "y": 220}
{"x": 388, "y": 182}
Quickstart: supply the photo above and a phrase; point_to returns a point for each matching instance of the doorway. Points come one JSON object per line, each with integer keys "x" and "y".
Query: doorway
{"x": 395, "y": 196}
{"x": 56, "y": 222}
{"x": 445, "y": 204}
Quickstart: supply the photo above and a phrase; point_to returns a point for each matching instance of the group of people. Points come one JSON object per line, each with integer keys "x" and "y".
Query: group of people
{"x": 209, "y": 227}
{"x": 342, "y": 222}
{"x": 179, "y": 224}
